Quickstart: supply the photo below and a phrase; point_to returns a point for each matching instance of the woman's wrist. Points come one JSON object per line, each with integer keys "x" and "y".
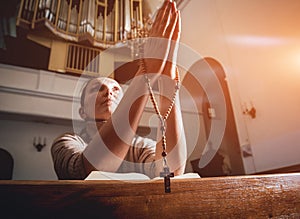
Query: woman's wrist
{"x": 144, "y": 71}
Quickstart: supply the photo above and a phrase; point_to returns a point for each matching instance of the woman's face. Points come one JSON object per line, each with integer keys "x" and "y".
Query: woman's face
{"x": 102, "y": 97}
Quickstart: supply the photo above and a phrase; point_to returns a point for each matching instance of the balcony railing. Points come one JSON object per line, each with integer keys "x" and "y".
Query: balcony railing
{"x": 100, "y": 22}
{"x": 82, "y": 58}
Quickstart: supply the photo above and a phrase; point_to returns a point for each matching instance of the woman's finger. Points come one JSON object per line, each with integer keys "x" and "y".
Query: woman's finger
{"x": 170, "y": 66}
{"x": 168, "y": 33}
{"x": 177, "y": 29}
{"x": 161, "y": 20}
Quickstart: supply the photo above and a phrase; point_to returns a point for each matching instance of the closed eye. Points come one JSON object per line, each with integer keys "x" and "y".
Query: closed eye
{"x": 116, "y": 88}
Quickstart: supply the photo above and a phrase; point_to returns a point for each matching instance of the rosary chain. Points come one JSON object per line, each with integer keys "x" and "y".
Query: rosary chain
{"x": 164, "y": 118}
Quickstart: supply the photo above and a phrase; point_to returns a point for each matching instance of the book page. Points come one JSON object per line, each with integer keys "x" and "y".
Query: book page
{"x": 101, "y": 175}
{"x": 183, "y": 176}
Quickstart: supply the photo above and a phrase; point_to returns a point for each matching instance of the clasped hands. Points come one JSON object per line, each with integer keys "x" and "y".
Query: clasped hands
{"x": 161, "y": 47}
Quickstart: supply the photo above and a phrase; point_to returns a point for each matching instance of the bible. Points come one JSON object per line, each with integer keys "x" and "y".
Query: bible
{"x": 102, "y": 175}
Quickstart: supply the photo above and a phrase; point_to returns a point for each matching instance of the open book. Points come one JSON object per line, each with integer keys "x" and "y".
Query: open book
{"x": 101, "y": 175}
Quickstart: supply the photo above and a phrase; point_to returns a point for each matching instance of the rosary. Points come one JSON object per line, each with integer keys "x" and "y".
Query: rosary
{"x": 166, "y": 171}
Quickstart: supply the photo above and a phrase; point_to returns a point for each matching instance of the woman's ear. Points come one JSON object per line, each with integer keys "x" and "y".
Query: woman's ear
{"x": 82, "y": 113}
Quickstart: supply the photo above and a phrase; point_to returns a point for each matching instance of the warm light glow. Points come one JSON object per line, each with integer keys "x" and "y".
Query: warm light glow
{"x": 295, "y": 60}
{"x": 257, "y": 40}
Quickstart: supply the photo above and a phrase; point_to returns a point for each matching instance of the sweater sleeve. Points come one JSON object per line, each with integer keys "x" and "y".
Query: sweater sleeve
{"x": 67, "y": 157}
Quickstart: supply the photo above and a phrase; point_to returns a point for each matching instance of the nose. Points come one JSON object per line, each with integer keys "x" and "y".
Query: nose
{"x": 109, "y": 91}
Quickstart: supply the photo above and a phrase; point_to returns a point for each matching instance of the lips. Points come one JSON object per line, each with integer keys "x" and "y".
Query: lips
{"x": 108, "y": 101}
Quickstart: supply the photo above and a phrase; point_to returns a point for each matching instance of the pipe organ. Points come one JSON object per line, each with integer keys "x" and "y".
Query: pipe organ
{"x": 101, "y": 23}
{"x": 77, "y": 31}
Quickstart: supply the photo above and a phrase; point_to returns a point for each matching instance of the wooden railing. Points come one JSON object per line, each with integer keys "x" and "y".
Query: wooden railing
{"x": 261, "y": 196}
{"x": 82, "y": 59}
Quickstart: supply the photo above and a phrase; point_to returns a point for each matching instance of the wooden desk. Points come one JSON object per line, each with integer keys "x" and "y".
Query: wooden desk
{"x": 258, "y": 196}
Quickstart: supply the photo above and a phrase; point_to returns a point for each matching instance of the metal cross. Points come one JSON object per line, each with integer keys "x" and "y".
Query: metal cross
{"x": 166, "y": 174}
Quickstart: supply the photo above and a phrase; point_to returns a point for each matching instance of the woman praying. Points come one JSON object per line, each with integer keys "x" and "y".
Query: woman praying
{"x": 109, "y": 141}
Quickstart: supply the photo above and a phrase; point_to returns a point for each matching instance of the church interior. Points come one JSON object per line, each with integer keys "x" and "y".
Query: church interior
{"x": 239, "y": 65}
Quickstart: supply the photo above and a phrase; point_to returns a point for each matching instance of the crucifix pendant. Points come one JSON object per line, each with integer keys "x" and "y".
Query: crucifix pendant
{"x": 166, "y": 174}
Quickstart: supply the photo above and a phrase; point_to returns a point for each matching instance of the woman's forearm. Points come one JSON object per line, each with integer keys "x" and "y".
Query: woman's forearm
{"x": 109, "y": 146}
{"x": 175, "y": 136}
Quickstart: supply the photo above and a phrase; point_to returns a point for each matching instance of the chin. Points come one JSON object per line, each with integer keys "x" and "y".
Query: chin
{"x": 104, "y": 116}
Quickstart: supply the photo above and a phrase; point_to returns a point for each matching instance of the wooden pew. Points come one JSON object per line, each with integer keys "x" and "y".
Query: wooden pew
{"x": 256, "y": 196}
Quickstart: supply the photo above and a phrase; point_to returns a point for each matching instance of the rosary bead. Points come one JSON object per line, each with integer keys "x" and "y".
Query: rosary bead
{"x": 164, "y": 154}
{"x": 163, "y": 119}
